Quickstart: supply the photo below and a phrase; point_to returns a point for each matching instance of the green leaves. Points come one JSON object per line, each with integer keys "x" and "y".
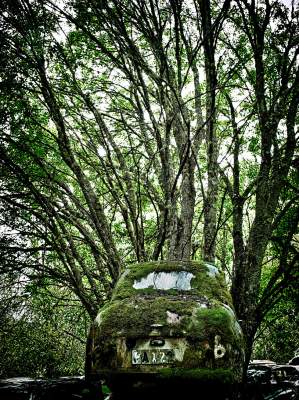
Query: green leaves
{"x": 43, "y": 338}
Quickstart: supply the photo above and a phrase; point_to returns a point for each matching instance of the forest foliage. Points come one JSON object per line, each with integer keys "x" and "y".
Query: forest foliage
{"x": 146, "y": 130}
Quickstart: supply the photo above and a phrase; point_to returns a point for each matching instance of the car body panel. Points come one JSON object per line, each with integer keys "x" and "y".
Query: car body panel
{"x": 294, "y": 361}
{"x": 168, "y": 318}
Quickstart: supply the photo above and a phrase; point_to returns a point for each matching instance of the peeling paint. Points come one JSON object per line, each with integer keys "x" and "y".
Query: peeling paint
{"x": 212, "y": 270}
{"x": 219, "y": 349}
{"x": 165, "y": 280}
{"x": 173, "y": 318}
{"x": 204, "y": 303}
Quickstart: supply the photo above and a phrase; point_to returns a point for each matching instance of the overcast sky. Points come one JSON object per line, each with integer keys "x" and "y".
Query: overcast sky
{"x": 288, "y": 2}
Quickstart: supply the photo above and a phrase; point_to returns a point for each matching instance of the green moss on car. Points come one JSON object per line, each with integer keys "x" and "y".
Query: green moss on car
{"x": 201, "y": 318}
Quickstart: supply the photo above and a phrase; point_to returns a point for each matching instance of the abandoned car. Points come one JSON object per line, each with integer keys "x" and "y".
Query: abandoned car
{"x": 287, "y": 375}
{"x": 166, "y": 322}
{"x": 272, "y": 381}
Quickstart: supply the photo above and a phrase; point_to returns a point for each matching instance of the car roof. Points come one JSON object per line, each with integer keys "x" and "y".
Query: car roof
{"x": 294, "y": 360}
{"x": 262, "y": 362}
{"x": 204, "y": 280}
{"x": 287, "y": 367}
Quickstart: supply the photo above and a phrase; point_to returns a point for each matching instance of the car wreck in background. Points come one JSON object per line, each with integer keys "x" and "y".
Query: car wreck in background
{"x": 272, "y": 381}
{"x": 294, "y": 360}
{"x": 167, "y": 322}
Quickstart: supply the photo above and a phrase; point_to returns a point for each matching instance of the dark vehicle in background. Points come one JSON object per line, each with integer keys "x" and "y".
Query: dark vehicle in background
{"x": 287, "y": 376}
{"x": 167, "y": 323}
{"x": 269, "y": 381}
{"x": 259, "y": 374}
{"x": 294, "y": 361}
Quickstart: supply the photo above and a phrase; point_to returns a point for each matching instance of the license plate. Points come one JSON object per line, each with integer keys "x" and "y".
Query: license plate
{"x": 157, "y": 356}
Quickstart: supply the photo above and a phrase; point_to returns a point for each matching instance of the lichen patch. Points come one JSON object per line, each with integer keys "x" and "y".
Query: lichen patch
{"x": 173, "y": 318}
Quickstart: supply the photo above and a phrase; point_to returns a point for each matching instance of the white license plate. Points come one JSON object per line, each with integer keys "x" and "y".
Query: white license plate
{"x": 157, "y": 356}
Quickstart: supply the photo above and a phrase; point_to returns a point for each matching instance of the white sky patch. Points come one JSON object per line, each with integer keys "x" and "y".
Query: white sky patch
{"x": 101, "y": 151}
{"x": 7, "y": 230}
{"x": 288, "y": 3}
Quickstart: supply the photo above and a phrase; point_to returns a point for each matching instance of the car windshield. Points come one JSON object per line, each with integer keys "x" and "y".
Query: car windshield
{"x": 287, "y": 373}
{"x": 259, "y": 373}
{"x": 179, "y": 280}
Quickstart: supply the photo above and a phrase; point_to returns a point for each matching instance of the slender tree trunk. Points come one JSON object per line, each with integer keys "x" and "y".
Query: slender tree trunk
{"x": 181, "y": 234}
{"x": 210, "y": 206}
{"x": 181, "y": 229}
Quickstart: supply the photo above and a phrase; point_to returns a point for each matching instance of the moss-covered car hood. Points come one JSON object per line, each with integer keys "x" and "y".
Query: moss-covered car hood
{"x": 175, "y": 316}
{"x": 205, "y": 309}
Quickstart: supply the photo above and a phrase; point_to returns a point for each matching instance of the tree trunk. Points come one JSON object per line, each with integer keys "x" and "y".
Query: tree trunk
{"x": 181, "y": 230}
{"x": 210, "y": 206}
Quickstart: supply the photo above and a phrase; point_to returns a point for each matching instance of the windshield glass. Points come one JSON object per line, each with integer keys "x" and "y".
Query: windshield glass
{"x": 180, "y": 280}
